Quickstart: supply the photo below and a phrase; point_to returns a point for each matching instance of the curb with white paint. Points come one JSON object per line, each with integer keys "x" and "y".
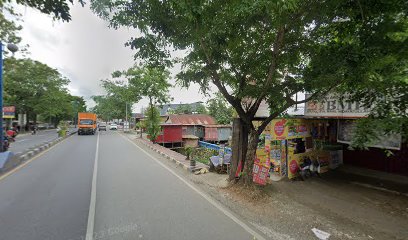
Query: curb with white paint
{"x": 177, "y": 162}
{"x": 20, "y": 158}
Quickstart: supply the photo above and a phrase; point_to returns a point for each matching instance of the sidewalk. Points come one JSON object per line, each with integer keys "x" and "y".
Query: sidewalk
{"x": 378, "y": 180}
{"x": 176, "y": 157}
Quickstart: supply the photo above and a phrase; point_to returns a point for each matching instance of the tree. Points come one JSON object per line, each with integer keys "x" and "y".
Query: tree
{"x": 219, "y": 108}
{"x": 57, "y": 9}
{"x": 200, "y": 109}
{"x": 183, "y": 109}
{"x": 35, "y": 88}
{"x": 109, "y": 107}
{"x": 153, "y": 121}
{"x": 255, "y": 51}
{"x": 150, "y": 82}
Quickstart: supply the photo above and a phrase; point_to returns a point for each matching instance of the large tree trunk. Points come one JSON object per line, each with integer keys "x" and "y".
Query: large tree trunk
{"x": 253, "y": 138}
{"x": 239, "y": 146}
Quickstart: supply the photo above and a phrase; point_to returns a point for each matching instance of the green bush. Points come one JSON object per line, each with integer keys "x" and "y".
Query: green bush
{"x": 203, "y": 155}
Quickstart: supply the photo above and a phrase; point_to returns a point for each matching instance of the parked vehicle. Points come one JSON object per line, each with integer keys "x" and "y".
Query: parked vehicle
{"x": 33, "y": 129}
{"x": 11, "y": 133}
{"x": 86, "y": 123}
{"x": 308, "y": 168}
{"x": 113, "y": 126}
{"x": 6, "y": 144}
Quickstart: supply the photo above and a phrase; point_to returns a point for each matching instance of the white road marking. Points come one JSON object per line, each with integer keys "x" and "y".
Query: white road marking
{"x": 91, "y": 214}
{"x": 27, "y": 162}
{"x": 256, "y": 235}
{"x": 22, "y": 140}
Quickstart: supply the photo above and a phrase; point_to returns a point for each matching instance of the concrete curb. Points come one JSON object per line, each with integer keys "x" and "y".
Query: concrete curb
{"x": 168, "y": 157}
{"x": 19, "y": 158}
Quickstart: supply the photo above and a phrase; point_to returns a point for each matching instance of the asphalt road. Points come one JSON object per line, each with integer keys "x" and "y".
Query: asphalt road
{"x": 26, "y": 141}
{"x": 136, "y": 197}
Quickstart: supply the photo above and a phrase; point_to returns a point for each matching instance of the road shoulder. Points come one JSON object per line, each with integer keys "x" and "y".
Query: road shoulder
{"x": 285, "y": 212}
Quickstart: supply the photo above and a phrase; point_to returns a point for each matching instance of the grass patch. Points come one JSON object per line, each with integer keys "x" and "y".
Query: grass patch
{"x": 201, "y": 155}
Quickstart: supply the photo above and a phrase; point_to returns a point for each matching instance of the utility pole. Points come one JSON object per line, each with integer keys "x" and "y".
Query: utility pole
{"x": 13, "y": 48}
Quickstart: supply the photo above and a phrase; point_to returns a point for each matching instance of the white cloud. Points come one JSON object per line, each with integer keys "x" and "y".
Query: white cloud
{"x": 85, "y": 50}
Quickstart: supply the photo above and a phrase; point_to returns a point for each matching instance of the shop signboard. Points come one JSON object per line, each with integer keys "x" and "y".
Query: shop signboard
{"x": 9, "y": 112}
{"x": 289, "y": 129}
{"x": 336, "y": 107}
{"x": 345, "y": 133}
{"x": 259, "y": 174}
{"x": 294, "y": 161}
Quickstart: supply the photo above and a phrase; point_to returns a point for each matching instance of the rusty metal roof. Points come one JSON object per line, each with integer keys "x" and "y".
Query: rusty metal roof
{"x": 191, "y": 119}
{"x": 218, "y": 126}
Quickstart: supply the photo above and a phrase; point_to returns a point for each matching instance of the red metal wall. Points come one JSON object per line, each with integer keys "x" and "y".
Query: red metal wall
{"x": 170, "y": 133}
{"x": 211, "y": 134}
{"x": 376, "y": 159}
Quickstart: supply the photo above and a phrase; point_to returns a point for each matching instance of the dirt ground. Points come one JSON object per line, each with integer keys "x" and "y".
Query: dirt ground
{"x": 339, "y": 204}
{"x": 333, "y": 203}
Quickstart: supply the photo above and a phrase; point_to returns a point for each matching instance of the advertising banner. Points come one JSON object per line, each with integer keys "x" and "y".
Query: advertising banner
{"x": 259, "y": 174}
{"x": 9, "y": 112}
{"x": 289, "y": 129}
{"x": 336, "y": 106}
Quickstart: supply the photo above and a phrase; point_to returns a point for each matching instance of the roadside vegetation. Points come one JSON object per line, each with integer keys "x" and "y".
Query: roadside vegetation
{"x": 267, "y": 51}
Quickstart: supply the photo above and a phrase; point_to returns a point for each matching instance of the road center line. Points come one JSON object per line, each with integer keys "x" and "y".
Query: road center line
{"x": 202, "y": 194}
{"x": 91, "y": 214}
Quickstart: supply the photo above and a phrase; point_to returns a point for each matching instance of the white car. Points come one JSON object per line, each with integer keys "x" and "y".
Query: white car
{"x": 113, "y": 126}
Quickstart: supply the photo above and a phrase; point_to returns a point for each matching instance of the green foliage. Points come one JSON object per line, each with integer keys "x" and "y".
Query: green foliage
{"x": 129, "y": 87}
{"x": 109, "y": 107}
{"x": 57, "y": 9}
{"x": 153, "y": 121}
{"x": 63, "y": 128}
{"x": 255, "y": 51}
{"x": 188, "y": 150}
{"x": 267, "y": 50}
{"x": 203, "y": 155}
{"x": 201, "y": 109}
{"x": 36, "y": 88}
{"x": 369, "y": 130}
{"x": 150, "y": 82}
{"x": 9, "y": 28}
{"x": 188, "y": 109}
{"x": 141, "y": 125}
{"x": 220, "y": 109}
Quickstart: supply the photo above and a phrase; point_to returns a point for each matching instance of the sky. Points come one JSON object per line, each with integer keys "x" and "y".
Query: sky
{"x": 86, "y": 50}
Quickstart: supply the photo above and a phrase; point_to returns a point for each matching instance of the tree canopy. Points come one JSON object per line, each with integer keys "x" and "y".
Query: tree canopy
{"x": 58, "y": 9}
{"x": 35, "y": 88}
{"x": 143, "y": 81}
{"x": 220, "y": 109}
{"x": 109, "y": 107}
{"x": 255, "y": 51}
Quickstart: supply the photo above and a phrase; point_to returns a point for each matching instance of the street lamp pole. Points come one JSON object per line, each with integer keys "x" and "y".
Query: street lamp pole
{"x": 13, "y": 48}
{"x": 1, "y": 98}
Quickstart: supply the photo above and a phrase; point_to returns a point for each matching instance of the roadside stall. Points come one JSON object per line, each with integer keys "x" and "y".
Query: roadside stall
{"x": 286, "y": 143}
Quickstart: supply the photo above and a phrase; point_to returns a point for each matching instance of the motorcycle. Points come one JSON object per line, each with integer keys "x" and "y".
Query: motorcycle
{"x": 6, "y": 144}
{"x": 308, "y": 168}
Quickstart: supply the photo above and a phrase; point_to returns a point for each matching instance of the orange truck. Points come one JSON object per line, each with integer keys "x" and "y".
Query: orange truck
{"x": 86, "y": 123}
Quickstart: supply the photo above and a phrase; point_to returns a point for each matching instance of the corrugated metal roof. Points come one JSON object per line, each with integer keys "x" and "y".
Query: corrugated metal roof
{"x": 190, "y": 136}
{"x": 191, "y": 119}
{"x": 218, "y": 126}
